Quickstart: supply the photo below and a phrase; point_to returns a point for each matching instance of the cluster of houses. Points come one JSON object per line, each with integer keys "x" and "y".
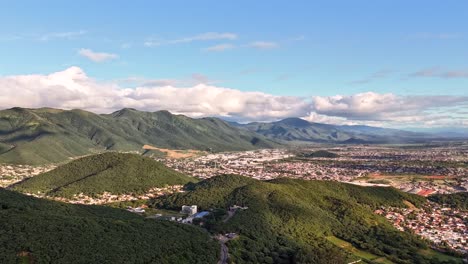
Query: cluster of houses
{"x": 443, "y": 226}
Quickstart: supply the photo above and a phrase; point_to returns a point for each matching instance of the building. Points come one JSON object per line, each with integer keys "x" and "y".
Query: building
{"x": 190, "y": 210}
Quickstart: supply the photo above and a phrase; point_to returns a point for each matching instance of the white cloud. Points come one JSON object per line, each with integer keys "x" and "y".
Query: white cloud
{"x": 207, "y": 36}
{"x": 97, "y": 56}
{"x": 389, "y": 107}
{"x": 263, "y": 45}
{"x": 72, "y": 88}
{"x": 62, "y": 35}
{"x": 437, "y": 72}
{"x": 152, "y": 43}
{"x": 220, "y": 47}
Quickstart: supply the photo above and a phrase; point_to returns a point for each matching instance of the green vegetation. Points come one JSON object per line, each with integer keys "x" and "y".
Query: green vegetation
{"x": 40, "y": 231}
{"x": 319, "y": 154}
{"x": 356, "y": 252}
{"x": 112, "y": 172}
{"x": 454, "y": 200}
{"x": 291, "y": 221}
{"x": 299, "y": 130}
{"x": 47, "y": 135}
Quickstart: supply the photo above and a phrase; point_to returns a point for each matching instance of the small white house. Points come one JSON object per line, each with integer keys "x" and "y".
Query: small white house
{"x": 190, "y": 210}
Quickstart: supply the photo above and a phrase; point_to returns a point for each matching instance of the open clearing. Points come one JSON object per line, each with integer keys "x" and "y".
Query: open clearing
{"x": 357, "y": 252}
{"x": 176, "y": 154}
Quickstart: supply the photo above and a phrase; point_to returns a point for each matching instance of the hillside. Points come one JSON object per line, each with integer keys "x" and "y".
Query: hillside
{"x": 112, "y": 172}
{"x": 296, "y": 129}
{"x": 42, "y": 231}
{"x": 297, "y": 221}
{"x": 39, "y": 136}
{"x": 454, "y": 200}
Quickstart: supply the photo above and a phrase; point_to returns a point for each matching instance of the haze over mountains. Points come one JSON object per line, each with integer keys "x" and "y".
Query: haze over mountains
{"x": 37, "y": 136}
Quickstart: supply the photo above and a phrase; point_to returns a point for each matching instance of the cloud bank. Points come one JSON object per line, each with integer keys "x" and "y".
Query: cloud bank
{"x": 72, "y": 88}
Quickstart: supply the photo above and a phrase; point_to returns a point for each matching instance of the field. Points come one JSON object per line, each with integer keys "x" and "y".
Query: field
{"x": 176, "y": 154}
{"x": 357, "y": 252}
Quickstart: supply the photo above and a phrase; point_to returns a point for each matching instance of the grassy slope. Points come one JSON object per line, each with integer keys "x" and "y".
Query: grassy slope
{"x": 289, "y": 220}
{"x": 52, "y": 232}
{"x": 112, "y": 172}
{"x": 50, "y": 135}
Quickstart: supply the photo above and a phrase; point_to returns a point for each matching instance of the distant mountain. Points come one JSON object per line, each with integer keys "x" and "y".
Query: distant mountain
{"x": 299, "y": 221}
{"x": 116, "y": 173}
{"x": 297, "y": 129}
{"x": 38, "y": 136}
{"x": 42, "y": 231}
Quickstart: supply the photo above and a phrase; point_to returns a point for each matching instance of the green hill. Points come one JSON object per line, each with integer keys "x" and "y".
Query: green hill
{"x": 112, "y": 172}
{"x": 38, "y": 136}
{"x": 297, "y": 221}
{"x": 455, "y": 200}
{"x": 319, "y": 154}
{"x": 41, "y": 231}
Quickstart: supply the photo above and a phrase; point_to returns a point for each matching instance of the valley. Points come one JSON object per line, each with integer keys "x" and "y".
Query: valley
{"x": 265, "y": 197}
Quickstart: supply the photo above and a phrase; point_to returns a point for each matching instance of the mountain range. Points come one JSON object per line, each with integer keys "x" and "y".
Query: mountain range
{"x": 46, "y": 135}
{"x": 297, "y": 129}
{"x": 38, "y": 136}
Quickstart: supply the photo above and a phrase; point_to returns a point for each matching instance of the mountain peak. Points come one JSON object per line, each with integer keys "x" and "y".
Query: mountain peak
{"x": 294, "y": 121}
{"x": 124, "y": 112}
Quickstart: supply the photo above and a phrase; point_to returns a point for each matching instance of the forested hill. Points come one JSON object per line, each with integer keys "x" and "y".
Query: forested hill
{"x": 41, "y": 231}
{"x": 112, "y": 172}
{"x": 38, "y": 136}
{"x": 297, "y": 221}
{"x": 454, "y": 200}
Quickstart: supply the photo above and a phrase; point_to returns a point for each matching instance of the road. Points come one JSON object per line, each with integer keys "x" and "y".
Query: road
{"x": 230, "y": 215}
{"x": 224, "y": 253}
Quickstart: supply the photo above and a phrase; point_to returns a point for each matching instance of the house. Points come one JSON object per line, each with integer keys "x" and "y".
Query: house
{"x": 190, "y": 210}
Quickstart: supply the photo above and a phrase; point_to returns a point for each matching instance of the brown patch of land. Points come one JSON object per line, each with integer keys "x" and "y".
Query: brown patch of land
{"x": 176, "y": 154}
{"x": 410, "y": 205}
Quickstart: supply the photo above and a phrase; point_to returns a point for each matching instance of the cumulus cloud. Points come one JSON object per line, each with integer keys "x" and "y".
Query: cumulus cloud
{"x": 72, "y": 88}
{"x": 389, "y": 107}
{"x": 97, "y": 56}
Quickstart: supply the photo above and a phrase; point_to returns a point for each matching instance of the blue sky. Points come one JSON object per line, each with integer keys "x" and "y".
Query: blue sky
{"x": 282, "y": 48}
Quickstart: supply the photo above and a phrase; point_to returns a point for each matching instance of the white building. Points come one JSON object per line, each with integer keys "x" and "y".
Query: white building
{"x": 190, "y": 210}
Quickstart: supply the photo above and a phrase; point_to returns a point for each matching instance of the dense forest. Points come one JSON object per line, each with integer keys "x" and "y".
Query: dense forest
{"x": 40, "y": 231}
{"x": 297, "y": 221}
{"x": 112, "y": 172}
{"x": 455, "y": 200}
{"x": 46, "y": 135}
